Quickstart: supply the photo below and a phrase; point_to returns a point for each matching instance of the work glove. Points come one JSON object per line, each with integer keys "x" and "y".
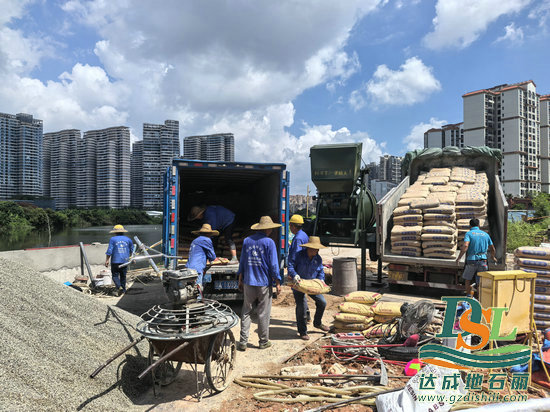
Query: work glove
{"x": 297, "y": 279}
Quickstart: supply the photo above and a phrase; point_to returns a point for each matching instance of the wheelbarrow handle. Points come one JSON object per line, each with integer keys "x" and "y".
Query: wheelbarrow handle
{"x": 112, "y": 358}
{"x": 162, "y": 359}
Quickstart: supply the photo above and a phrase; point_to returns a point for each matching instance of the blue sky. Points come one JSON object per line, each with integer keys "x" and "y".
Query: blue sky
{"x": 282, "y": 76}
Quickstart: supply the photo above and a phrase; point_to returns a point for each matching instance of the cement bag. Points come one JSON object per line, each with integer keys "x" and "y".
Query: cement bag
{"x": 446, "y": 230}
{"x": 406, "y": 238}
{"x": 384, "y": 318}
{"x": 415, "y": 194}
{"x": 424, "y": 204}
{"x": 444, "y": 189}
{"x": 400, "y": 249}
{"x": 469, "y": 200}
{"x": 407, "y": 253}
{"x": 379, "y": 330}
{"x": 436, "y": 180}
{"x": 457, "y": 184}
{"x": 440, "y": 217}
{"x": 406, "y": 210}
{"x": 533, "y": 263}
{"x": 438, "y": 244}
{"x": 430, "y": 237}
{"x": 440, "y": 171}
{"x": 441, "y": 210}
{"x": 539, "y": 272}
{"x": 440, "y": 251}
{"x": 403, "y": 231}
{"x": 348, "y": 327}
{"x": 439, "y": 255}
{"x": 430, "y": 223}
{"x": 401, "y": 220}
{"x": 363, "y": 297}
{"x": 465, "y": 224}
{"x": 351, "y": 318}
{"x": 387, "y": 308}
{"x": 359, "y": 308}
{"x": 408, "y": 243}
{"x": 312, "y": 286}
{"x": 532, "y": 251}
{"x": 405, "y": 201}
{"x": 471, "y": 209}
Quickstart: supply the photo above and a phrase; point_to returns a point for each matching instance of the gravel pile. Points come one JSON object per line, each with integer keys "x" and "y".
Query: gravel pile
{"x": 52, "y": 337}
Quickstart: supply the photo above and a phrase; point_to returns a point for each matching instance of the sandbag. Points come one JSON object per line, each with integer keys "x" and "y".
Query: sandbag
{"x": 311, "y": 286}
{"x": 438, "y": 244}
{"x": 415, "y": 194}
{"x": 431, "y": 223}
{"x": 400, "y": 249}
{"x": 406, "y": 201}
{"x": 403, "y": 230}
{"x": 465, "y": 224}
{"x": 406, "y": 210}
{"x": 470, "y": 215}
{"x": 470, "y": 209}
{"x": 424, "y": 204}
{"x": 407, "y": 253}
{"x": 441, "y": 210}
{"x": 348, "y": 327}
{"x": 351, "y": 318}
{"x": 438, "y": 216}
{"x": 359, "y": 308}
{"x": 533, "y": 252}
{"x": 384, "y": 318}
{"x": 439, "y": 229}
{"x": 405, "y": 238}
{"x": 533, "y": 263}
{"x": 407, "y": 243}
{"x": 439, "y": 255}
{"x": 435, "y": 237}
{"x": 444, "y": 189}
{"x": 440, "y": 250}
{"x": 469, "y": 200}
{"x": 397, "y": 220}
{"x": 362, "y": 297}
{"x": 379, "y": 330}
{"x": 436, "y": 180}
{"x": 387, "y": 308}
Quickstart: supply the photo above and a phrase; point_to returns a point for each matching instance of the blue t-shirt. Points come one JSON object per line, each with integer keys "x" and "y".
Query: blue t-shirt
{"x": 120, "y": 248}
{"x": 479, "y": 243}
{"x": 306, "y": 268}
{"x": 259, "y": 264}
{"x": 218, "y": 217}
{"x": 201, "y": 249}
{"x": 299, "y": 239}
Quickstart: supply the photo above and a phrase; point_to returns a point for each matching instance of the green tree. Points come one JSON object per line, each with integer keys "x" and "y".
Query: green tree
{"x": 541, "y": 204}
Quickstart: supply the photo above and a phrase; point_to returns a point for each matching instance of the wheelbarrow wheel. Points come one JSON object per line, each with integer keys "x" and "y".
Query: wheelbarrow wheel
{"x": 220, "y": 360}
{"x": 165, "y": 373}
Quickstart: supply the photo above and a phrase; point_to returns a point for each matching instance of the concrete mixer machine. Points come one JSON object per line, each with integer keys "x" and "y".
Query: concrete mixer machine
{"x": 346, "y": 209}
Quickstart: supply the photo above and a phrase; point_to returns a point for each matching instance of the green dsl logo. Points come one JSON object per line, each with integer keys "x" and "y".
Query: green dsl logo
{"x": 470, "y": 323}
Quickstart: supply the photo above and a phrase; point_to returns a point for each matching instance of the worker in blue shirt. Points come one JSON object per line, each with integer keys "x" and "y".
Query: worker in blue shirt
{"x": 475, "y": 247}
{"x": 308, "y": 265}
{"x": 201, "y": 250}
{"x": 300, "y": 237}
{"x": 219, "y": 218}
{"x": 119, "y": 251}
{"x": 258, "y": 273}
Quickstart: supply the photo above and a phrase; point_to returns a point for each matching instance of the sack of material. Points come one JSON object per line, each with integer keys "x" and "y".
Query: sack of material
{"x": 440, "y": 171}
{"x": 430, "y": 223}
{"x": 387, "y": 308}
{"x": 444, "y": 189}
{"x": 533, "y": 263}
{"x": 363, "y": 297}
{"x": 348, "y": 327}
{"x": 457, "y": 184}
{"x": 446, "y": 230}
{"x": 469, "y": 200}
{"x": 438, "y": 244}
{"x": 404, "y": 231}
{"x": 384, "y": 318}
{"x": 405, "y": 201}
{"x": 406, "y": 243}
{"x": 415, "y": 194}
{"x": 430, "y": 237}
{"x": 400, "y": 220}
{"x": 471, "y": 209}
{"x": 405, "y": 238}
{"x": 359, "y": 308}
{"x": 436, "y": 180}
{"x": 533, "y": 252}
{"x": 441, "y": 210}
{"x": 440, "y": 255}
{"x": 437, "y": 216}
{"x": 440, "y": 250}
{"x": 406, "y": 210}
{"x": 351, "y": 318}
{"x": 407, "y": 253}
{"x": 469, "y": 216}
{"x": 465, "y": 224}
{"x": 424, "y": 204}
{"x": 379, "y": 330}
{"x": 400, "y": 249}
{"x": 311, "y": 286}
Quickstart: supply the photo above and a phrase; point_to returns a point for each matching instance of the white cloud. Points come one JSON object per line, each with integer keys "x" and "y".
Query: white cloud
{"x": 512, "y": 35}
{"x": 412, "y": 83}
{"x": 541, "y": 13}
{"x": 458, "y": 23}
{"x": 415, "y": 139}
{"x": 357, "y": 100}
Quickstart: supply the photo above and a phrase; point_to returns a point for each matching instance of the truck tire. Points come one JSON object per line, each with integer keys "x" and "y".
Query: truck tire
{"x": 398, "y": 353}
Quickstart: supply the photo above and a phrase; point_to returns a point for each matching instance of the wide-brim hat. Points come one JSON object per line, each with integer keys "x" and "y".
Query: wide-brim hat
{"x": 314, "y": 243}
{"x": 195, "y": 212}
{"x": 265, "y": 223}
{"x": 118, "y": 229}
{"x": 206, "y": 230}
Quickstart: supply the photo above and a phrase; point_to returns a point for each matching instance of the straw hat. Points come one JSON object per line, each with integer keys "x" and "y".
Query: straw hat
{"x": 265, "y": 223}
{"x": 314, "y": 243}
{"x": 118, "y": 229}
{"x": 206, "y": 230}
{"x": 195, "y": 212}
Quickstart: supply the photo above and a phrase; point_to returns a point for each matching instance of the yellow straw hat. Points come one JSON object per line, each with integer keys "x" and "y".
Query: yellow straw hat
{"x": 314, "y": 243}
{"x": 265, "y": 223}
{"x": 206, "y": 230}
{"x": 118, "y": 229}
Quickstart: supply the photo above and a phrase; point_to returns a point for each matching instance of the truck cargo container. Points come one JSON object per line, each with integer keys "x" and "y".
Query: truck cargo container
{"x": 250, "y": 190}
{"x": 435, "y": 272}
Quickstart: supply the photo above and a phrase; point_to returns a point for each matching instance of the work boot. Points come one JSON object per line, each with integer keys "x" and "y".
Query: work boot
{"x": 324, "y": 328}
{"x": 304, "y": 337}
{"x": 265, "y": 345}
{"x": 120, "y": 291}
{"x": 241, "y": 346}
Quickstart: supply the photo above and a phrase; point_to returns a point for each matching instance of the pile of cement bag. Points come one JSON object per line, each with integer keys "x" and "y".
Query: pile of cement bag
{"x": 537, "y": 260}
{"x": 363, "y": 312}
{"x": 434, "y": 213}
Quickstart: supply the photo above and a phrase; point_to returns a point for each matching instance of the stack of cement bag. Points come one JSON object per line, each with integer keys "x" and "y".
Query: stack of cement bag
{"x": 361, "y": 311}
{"x": 471, "y": 202}
{"x": 537, "y": 260}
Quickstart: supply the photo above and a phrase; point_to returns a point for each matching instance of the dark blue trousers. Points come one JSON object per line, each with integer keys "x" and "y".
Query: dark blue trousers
{"x": 119, "y": 275}
{"x": 301, "y": 308}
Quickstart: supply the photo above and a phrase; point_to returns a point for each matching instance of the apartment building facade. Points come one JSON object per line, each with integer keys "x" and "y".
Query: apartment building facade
{"x": 545, "y": 142}
{"x": 448, "y": 135}
{"x": 214, "y": 147}
{"x": 390, "y": 169}
{"x": 20, "y": 155}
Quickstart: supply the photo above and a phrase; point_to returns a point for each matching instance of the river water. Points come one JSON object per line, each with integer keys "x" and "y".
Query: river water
{"x": 148, "y": 234}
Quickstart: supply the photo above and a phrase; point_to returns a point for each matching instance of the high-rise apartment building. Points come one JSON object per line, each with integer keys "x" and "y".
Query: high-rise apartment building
{"x": 106, "y": 155}
{"x": 545, "y": 142}
{"x": 20, "y": 155}
{"x": 214, "y": 147}
{"x": 390, "y": 168}
{"x": 448, "y": 135}
{"x": 150, "y": 159}
{"x": 60, "y": 161}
